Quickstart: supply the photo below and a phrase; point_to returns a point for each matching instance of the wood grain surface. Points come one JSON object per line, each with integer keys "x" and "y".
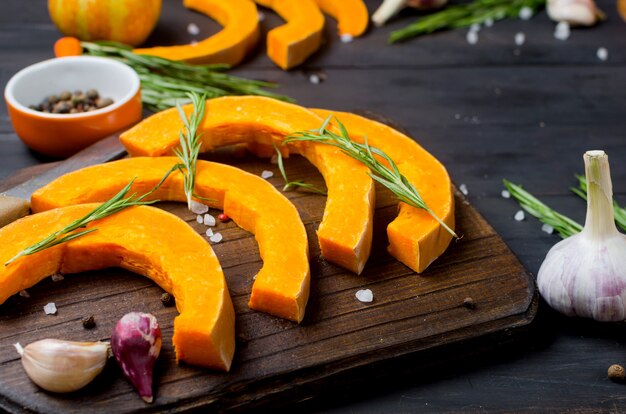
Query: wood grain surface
{"x": 274, "y": 357}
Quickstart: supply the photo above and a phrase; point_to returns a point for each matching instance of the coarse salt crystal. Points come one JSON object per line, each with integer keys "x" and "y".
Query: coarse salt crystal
{"x": 520, "y": 38}
{"x": 267, "y": 174}
{"x": 519, "y": 216}
{"x": 457, "y": 116}
{"x": 209, "y": 232}
{"x": 24, "y": 294}
{"x": 525, "y": 13}
{"x": 602, "y": 53}
{"x": 199, "y": 218}
{"x": 475, "y": 27}
{"x": 346, "y": 38}
{"x": 505, "y": 194}
{"x": 561, "y": 31}
{"x": 50, "y": 309}
{"x": 546, "y": 228}
{"x": 314, "y": 79}
{"x": 208, "y": 220}
{"x": 193, "y": 42}
{"x": 198, "y": 208}
{"x": 488, "y": 22}
{"x": 472, "y": 37}
{"x": 57, "y": 277}
{"x": 364, "y": 295}
{"x": 463, "y": 189}
{"x": 193, "y": 29}
{"x": 261, "y": 16}
{"x": 274, "y": 159}
{"x": 216, "y": 238}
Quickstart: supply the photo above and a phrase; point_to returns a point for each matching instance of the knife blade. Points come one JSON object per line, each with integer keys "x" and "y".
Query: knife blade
{"x": 14, "y": 203}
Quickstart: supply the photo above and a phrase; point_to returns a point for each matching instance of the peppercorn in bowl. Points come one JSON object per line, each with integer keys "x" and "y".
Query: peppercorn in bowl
{"x": 63, "y": 105}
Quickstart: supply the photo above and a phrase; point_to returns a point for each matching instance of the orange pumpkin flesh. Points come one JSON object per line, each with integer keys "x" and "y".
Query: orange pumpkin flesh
{"x": 145, "y": 240}
{"x": 415, "y": 237}
{"x": 290, "y": 44}
{"x": 351, "y": 15}
{"x": 281, "y": 287}
{"x": 345, "y": 234}
{"x": 238, "y": 37}
{"x": 128, "y": 22}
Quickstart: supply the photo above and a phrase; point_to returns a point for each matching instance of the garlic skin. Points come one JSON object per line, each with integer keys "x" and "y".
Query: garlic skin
{"x": 574, "y": 12}
{"x": 585, "y": 274}
{"x": 63, "y": 366}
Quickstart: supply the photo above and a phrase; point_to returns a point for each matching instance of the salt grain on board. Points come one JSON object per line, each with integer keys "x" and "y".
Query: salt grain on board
{"x": 199, "y": 218}
{"x": 57, "y": 277}
{"x": 50, "y": 309}
{"x": 274, "y": 159}
{"x": 472, "y": 37}
{"x": 208, "y": 220}
{"x": 520, "y": 38}
{"x": 24, "y": 294}
{"x": 463, "y": 189}
{"x": 602, "y": 54}
{"x": 505, "y": 194}
{"x": 266, "y": 174}
{"x": 314, "y": 79}
{"x": 546, "y": 228}
{"x": 488, "y": 22}
{"x": 346, "y": 38}
{"x": 525, "y": 13}
{"x": 561, "y": 31}
{"x": 209, "y": 232}
{"x": 519, "y": 216}
{"x": 198, "y": 208}
{"x": 193, "y": 29}
{"x": 364, "y": 295}
{"x": 261, "y": 16}
{"x": 216, "y": 238}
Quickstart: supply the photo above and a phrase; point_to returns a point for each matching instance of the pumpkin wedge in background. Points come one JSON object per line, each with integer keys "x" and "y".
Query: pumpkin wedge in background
{"x": 345, "y": 233}
{"x": 238, "y": 37}
{"x": 144, "y": 240}
{"x": 415, "y": 237}
{"x": 351, "y": 15}
{"x": 290, "y": 44}
{"x": 281, "y": 287}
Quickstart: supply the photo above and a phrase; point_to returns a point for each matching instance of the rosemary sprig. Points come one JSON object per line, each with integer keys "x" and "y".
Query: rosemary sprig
{"x": 581, "y": 191}
{"x": 117, "y": 203}
{"x": 465, "y": 15}
{"x": 390, "y": 177}
{"x": 166, "y": 82}
{"x": 564, "y": 225}
{"x": 190, "y": 143}
{"x": 291, "y": 185}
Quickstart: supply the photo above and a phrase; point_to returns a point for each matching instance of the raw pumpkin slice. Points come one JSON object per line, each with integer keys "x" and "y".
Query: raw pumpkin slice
{"x": 345, "y": 234}
{"x": 144, "y": 240}
{"x": 351, "y": 15}
{"x": 290, "y": 44}
{"x": 281, "y": 287}
{"x": 238, "y": 37}
{"x": 415, "y": 238}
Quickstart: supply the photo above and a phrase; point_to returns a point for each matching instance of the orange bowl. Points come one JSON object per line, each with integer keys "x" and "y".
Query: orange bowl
{"x": 61, "y": 135}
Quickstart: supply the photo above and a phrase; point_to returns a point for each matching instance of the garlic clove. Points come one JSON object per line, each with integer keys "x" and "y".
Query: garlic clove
{"x": 63, "y": 366}
{"x": 390, "y": 8}
{"x": 574, "y": 12}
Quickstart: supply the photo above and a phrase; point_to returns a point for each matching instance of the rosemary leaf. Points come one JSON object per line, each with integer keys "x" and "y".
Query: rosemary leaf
{"x": 581, "y": 191}
{"x": 190, "y": 142}
{"x": 564, "y": 225}
{"x": 364, "y": 153}
{"x": 164, "y": 82}
{"x": 290, "y": 185}
{"x": 465, "y": 15}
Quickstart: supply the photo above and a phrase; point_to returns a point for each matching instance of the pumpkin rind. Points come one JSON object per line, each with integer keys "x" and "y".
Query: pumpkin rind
{"x": 415, "y": 237}
{"x": 281, "y": 287}
{"x": 144, "y": 240}
{"x": 351, "y": 15}
{"x": 345, "y": 233}
{"x": 290, "y": 44}
{"x": 239, "y": 36}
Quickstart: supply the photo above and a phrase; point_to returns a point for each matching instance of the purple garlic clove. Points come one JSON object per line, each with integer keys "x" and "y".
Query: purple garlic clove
{"x": 136, "y": 343}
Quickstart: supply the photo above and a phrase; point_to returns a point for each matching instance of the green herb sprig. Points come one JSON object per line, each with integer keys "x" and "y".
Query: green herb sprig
{"x": 564, "y": 225}
{"x": 465, "y": 15}
{"x": 291, "y": 185}
{"x": 581, "y": 191}
{"x": 115, "y": 204}
{"x": 390, "y": 177}
{"x": 164, "y": 82}
{"x": 190, "y": 143}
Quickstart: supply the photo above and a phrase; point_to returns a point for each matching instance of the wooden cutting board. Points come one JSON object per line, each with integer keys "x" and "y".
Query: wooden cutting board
{"x": 278, "y": 361}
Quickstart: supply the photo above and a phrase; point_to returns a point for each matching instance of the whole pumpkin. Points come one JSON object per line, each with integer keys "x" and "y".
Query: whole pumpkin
{"x": 125, "y": 21}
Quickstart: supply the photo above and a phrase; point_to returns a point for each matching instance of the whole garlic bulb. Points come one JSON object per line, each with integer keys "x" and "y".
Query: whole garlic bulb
{"x": 63, "y": 366}
{"x": 585, "y": 274}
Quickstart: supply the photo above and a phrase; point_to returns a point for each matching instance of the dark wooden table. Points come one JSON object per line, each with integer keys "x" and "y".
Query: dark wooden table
{"x": 488, "y": 111}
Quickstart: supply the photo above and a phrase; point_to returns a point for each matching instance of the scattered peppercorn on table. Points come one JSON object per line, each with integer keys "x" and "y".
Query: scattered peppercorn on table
{"x": 468, "y": 333}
